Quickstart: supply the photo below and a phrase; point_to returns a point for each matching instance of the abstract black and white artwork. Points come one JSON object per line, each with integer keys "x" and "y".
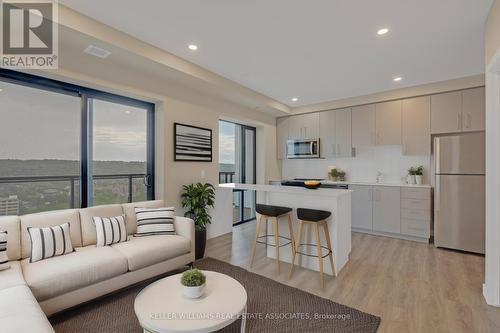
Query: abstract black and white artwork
{"x": 192, "y": 143}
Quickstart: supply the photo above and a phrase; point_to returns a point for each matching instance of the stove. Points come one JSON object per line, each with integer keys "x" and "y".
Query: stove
{"x": 299, "y": 182}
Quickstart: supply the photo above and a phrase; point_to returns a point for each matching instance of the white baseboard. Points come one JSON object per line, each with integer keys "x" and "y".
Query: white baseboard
{"x": 489, "y": 300}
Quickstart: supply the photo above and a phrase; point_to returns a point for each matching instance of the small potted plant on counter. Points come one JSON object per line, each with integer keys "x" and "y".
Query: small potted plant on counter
{"x": 419, "y": 174}
{"x": 410, "y": 179}
{"x": 198, "y": 199}
{"x": 193, "y": 281}
{"x": 337, "y": 174}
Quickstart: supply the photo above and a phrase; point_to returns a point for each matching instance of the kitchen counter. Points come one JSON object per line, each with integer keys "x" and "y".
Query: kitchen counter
{"x": 367, "y": 183}
{"x": 337, "y": 201}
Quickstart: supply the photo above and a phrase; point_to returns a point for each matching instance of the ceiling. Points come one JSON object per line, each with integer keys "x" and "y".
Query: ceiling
{"x": 318, "y": 50}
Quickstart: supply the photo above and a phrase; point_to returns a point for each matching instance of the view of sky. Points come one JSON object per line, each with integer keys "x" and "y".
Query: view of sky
{"x": 38, "y": 124}
{"x": 227, "y": 144}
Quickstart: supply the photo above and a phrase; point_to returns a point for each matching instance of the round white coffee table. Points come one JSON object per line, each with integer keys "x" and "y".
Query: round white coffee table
{"x": 162, "y": 308}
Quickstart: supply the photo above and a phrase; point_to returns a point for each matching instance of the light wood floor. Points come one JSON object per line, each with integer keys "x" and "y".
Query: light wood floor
{"x": 413, "y": 287}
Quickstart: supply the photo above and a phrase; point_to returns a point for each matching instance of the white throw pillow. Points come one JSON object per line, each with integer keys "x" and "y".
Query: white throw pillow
{"x": 4, "y": 260}
{"x": 110, "y": 230}
{"x": 50, "y": 242}
{"x": 155, "y": 221}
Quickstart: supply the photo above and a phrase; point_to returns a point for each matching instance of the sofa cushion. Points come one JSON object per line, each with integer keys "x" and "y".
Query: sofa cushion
{"x": 12, "y": 224}
{"x": 4, "y": 259}
{"x": 110, "y": 230}
{"x": 58, "y": 275}
{"x": 12, "y": 277}
{"x": 50, "y": 219}
{"x": 20, "y": 312}
{"x": 155, "y": 221}
{"x": 89, "y": 235}
{"x": 129, "y": 211}
{"x": 146, "y": 251}
{"x": 50, "y": 242}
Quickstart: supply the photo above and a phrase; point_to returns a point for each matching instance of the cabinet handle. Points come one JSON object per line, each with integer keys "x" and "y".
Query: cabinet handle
{"x": 334, "y": 152}
{"x": 305, "y": 132}
{"x": 338, "y": 150}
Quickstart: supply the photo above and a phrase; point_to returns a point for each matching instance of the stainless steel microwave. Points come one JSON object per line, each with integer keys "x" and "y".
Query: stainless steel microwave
{"x": 306, "y": 148}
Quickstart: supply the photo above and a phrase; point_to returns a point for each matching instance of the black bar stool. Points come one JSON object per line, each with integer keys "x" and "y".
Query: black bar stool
{"x": 318, "y": 219}
{"x": 274, "y": 213}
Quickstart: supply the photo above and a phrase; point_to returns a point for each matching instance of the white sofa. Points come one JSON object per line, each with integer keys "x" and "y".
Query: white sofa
{"x": 31, "y": 291}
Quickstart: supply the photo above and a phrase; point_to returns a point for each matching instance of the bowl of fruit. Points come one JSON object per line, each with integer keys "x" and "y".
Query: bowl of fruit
{"x": 312, "y": 184}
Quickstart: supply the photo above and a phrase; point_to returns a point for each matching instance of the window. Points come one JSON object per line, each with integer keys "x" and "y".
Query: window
{"x": 65, "y": 146}
{"x": 237, "y": 160}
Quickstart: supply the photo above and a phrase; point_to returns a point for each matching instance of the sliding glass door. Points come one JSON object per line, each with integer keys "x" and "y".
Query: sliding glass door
{"x": 119, "y": 153}
{"x": 237, "y": 160}
{"x": 66, "y": 146}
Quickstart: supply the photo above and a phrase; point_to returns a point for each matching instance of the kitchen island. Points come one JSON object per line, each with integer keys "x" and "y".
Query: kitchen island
{"x": 337, "y": 201}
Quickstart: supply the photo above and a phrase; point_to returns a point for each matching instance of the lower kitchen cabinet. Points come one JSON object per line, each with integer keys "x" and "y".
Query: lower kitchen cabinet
{"x": 402, "y": 212}
{"x": 361, "y": 202}
{"x": 387, "y": 209}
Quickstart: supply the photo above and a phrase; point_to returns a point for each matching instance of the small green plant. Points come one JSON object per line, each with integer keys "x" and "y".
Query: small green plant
{"x": 419, "y": 171}
{"x": 193, "y": 278}
{"x": 336, "y": 172}
{"x": 412, "y": 171}
{"x": 198, "y": 198}
{"x": 341, "y": 175}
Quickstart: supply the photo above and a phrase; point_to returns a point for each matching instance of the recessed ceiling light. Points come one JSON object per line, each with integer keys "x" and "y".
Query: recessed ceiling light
{"x": 193, "y": 47}
{"x": 397, "y": 79}
{"x": 97, "y": 51}
{"x": 382, "y": 31}
{"x": 295, "y": 99}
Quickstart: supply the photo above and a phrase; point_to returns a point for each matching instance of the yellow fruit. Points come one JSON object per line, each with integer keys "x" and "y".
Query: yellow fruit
{"x": 312, "y": 182}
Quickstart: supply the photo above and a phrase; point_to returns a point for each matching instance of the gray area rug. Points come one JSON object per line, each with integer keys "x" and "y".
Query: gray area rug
{"x": 273, "y": 307}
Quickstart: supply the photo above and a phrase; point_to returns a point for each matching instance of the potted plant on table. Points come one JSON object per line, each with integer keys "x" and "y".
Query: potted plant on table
{"x": 198, "y": 198}
{"x": 193, "y": 281}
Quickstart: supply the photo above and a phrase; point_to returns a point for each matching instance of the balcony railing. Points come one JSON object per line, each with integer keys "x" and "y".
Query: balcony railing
{"x": 226, "y": 177}
{"x": 73, "y": 181}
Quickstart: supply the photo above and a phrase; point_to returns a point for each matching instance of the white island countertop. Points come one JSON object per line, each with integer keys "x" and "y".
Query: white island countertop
{"x": 286, "y": 189}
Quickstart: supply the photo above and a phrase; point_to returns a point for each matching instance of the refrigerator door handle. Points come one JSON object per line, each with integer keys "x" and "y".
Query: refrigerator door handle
{"x": 437, "y": 194}
{"x": 437, "y": 155}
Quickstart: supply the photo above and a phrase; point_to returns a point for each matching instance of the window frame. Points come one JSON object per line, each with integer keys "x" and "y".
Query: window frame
{"x": 86, "y": 95}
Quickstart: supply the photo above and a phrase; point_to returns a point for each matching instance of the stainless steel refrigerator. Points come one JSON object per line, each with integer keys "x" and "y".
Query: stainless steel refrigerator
{"x": 459, "y": 193}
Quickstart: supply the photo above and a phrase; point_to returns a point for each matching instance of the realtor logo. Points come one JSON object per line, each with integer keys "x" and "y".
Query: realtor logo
{"x": 29, "y": 34}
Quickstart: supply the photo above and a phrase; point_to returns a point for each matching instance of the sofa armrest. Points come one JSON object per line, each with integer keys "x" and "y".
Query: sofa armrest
{"x": 185, "y": 227}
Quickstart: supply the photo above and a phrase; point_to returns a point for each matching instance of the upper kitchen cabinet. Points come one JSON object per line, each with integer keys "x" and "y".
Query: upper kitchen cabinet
{"x": 446, "y": 112}
{"x": 458, "y": 111}
{"x": 281, "y": 137}
{"x": 416, "y": 126}
{"x": 473, "y": 109}
{"x": 304, "y": 126}
{"x": 388, "y": 123}
{"x": 335, "y": 133}
{"x": 363, "y": 125}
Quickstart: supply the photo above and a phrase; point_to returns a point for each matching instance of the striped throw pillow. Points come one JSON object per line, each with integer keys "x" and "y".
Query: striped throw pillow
{"x": 155, "y": 221}
{"x": 49, "y": 242}
{"x": 4, "y": 260}
{"x": 110, "y": 230}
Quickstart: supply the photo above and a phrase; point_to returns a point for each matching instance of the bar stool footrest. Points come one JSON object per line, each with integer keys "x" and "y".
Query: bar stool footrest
{"x": 329, "y": 251}
{"x": 289, "y": 241}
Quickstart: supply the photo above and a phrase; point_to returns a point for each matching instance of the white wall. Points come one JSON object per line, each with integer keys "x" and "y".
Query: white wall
{"x": 363, "y": 167}
{"x": 491, "y": 287}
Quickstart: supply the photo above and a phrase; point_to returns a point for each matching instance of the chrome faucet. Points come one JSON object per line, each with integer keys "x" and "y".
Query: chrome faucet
{"x": 379, "y": 177}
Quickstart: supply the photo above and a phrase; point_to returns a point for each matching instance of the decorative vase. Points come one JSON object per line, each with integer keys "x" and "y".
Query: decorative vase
{"x": 200, "y": 243}
{"x": 193, "y": 292}
{"x": 334, "y": 178}
{"x": 410, "y": 179}
{"x": 418, "y": 179}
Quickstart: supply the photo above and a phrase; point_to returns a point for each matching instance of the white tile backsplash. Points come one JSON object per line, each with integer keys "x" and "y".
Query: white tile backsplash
{"x": 361, "y": 168}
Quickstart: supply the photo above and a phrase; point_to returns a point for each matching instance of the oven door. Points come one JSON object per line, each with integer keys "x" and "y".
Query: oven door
{"x": 303, "y": 148}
